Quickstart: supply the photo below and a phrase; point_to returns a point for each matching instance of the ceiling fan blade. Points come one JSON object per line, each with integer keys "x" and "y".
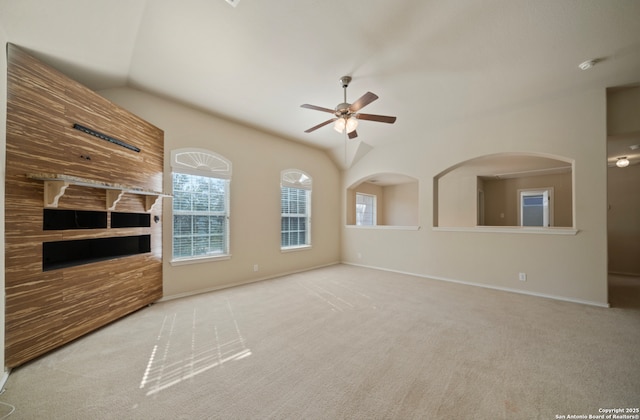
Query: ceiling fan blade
{"x": 363, "y": 101}
{"x": 353, "y": 134}
{"x": 320, "y": 125}
{"x": 379, "y": 118}
{"x": 318, "y": 108}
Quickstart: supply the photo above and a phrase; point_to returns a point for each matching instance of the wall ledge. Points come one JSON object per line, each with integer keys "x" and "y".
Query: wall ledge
{"x": 383, "y": 227}
{"x": 511, "y": 229}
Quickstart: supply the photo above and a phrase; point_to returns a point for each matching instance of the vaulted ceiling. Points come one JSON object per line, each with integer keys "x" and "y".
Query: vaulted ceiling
{"x": 431, "y": 62}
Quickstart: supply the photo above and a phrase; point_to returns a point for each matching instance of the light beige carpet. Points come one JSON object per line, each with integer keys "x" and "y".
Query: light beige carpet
{"x": 345, "y": 342}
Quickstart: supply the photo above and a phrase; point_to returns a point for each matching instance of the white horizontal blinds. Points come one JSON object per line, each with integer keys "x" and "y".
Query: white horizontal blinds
{"x": 294, "y": 217}
{"x": 200, "y": 204}
{"x": 295, "y": 197}
{"x": 199, "y": 215}
{"x": 365, "y": 209}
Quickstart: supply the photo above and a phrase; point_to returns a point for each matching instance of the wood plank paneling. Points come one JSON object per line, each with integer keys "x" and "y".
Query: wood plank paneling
{"x": 46, "y": 309}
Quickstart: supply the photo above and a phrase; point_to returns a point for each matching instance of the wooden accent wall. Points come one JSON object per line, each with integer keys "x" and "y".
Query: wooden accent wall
{"x": 46, "y": 309}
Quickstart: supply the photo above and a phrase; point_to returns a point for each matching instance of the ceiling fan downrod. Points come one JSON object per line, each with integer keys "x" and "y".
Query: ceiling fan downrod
{"x": 343, "y": 108}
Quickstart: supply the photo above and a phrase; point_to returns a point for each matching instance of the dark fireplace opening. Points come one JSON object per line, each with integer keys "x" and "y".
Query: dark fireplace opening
{"x": 62, "y": 254}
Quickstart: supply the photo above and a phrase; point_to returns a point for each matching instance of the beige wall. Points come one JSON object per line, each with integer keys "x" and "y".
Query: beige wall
{"x": 572, "y": 267}
{"x": 501, "y": 198}
{"x": 457, "y": 201}
{"x": 257, "y": 160}
{"x": 400, "y": 203}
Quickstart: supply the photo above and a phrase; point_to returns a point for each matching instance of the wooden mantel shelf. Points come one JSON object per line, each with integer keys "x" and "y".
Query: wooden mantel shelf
{"x": 56, "y": 184}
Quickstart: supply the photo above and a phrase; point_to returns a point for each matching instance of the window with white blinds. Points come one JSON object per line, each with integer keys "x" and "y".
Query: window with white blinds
{"x": 295, "y": 204}
{"x": 200, "y": 204}
{"x": 365, "y": 209}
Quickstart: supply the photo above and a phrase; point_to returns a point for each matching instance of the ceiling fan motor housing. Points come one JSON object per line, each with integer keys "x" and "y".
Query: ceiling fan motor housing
{"x": 342, "y": 109}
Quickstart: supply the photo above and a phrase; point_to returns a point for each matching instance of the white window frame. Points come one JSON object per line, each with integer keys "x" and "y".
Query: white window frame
{"x": 374, "y": 215}
{"x": 203, "y": 163}
{"x": 296, "y": 179}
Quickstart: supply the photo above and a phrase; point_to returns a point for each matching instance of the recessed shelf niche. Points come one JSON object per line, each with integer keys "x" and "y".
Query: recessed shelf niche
{"x": 127, "y": 220}
{"x": 62, "y": 254}
{"x": 56, "y": 219}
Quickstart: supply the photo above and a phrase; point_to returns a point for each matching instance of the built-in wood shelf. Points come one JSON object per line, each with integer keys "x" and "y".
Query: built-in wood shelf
{"x": 56, "y": 184}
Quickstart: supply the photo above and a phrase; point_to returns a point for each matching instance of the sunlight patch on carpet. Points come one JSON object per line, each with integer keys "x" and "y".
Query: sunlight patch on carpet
{"x": 171, "y": 362}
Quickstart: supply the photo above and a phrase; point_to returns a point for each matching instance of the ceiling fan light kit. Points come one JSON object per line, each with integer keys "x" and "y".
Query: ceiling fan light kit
{"x": 352, "y": 124}
{"x": 347, "y": 115}
{"x": 342, "y": 124}
{"x": 587, "y": 65}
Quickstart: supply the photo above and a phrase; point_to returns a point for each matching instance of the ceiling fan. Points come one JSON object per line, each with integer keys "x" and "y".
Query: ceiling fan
{"x": 346, "y": 115}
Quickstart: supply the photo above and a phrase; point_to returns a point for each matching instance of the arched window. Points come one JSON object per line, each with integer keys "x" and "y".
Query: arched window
{"x": 295, "y": 199}
{"x": 200, "y": 204}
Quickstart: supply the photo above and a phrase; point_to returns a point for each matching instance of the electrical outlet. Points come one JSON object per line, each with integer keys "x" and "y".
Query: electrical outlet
{"x": 522, "y": 276}
{"x": 255, "y": 267}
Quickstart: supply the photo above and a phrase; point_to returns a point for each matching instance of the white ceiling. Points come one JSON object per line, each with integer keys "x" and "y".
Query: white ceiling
{"x": 430, "y": 62}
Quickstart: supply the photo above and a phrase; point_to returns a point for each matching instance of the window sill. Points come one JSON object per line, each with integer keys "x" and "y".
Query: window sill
{"x": 383, "y": 227}
{"x": 198, "y": 260}
{"x": 511, "y": 229}
{"x": 295, "y": 248}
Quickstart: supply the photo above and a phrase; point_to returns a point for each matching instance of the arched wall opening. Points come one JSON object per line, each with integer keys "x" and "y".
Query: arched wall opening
{"x": 496, "y": 190}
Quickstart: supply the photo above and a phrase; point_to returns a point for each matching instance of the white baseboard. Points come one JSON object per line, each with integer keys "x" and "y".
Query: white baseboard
{"x": 4, "y": 378}
{"x": 487, "y": 286}
{"x": 240, "y": 283}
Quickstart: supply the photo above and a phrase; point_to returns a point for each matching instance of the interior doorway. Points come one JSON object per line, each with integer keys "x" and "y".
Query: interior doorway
{"x": 623, "y": 206}
{"x": 623, "y": 200}
{"x": 535, "y": 207}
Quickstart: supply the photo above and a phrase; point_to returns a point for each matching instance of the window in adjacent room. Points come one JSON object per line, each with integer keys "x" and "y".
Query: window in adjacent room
{"x": 295, "y": 199}
{"x": 535, "y": 207}
{"x": 383, "y": 201}
{"x": 200, "y": 205}
{"x": 365, "y": 209}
